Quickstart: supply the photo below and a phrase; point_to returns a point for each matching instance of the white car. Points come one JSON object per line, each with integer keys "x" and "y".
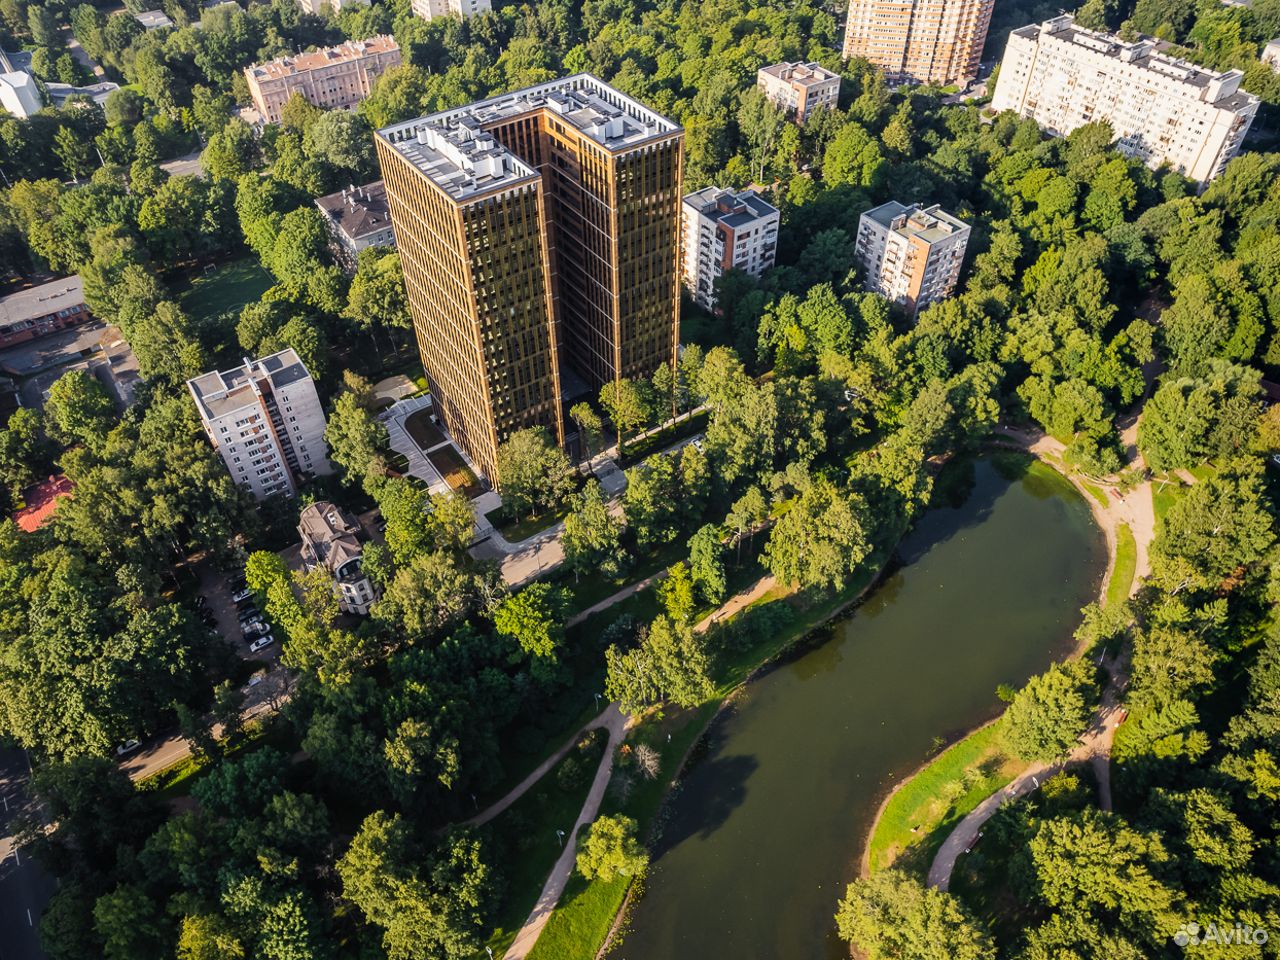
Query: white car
{"x": 256, "y": 628}
{"x": 241, "y": 595}
{"x": 256, "y": 679}
{"x": 127, "y": 747}
{"x": 699, "y": 443}
{"x": 261, "y": 643}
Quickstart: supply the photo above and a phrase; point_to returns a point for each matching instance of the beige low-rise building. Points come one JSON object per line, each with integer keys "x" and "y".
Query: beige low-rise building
{"x": 430, "y": 9}
{"x": 321, "y": 7}
{"x": 334, "y": 540}
{"x": 800, "y": 88}
{"x": 1271, "y": 54}
{"x": 911, "y": 255}
{"x": 335, "y": 77}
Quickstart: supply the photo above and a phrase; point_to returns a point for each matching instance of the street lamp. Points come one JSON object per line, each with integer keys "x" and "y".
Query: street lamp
{"x": 597, "y": 696}
{"x": 560, "y": 837}
{"x": 489, "y": 951}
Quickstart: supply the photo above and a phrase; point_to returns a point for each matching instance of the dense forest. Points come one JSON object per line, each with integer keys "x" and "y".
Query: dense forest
{"x": 1091, "y": 283}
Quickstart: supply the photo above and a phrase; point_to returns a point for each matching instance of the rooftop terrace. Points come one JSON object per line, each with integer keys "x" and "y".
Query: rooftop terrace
{"x": 454, "y": 149}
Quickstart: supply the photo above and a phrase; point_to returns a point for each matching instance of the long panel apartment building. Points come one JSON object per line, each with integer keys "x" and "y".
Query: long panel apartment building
{"x": 333, "y": 78}
{"x": 535, "y": 229}
{"x": 265, "y": 420}
{"x": 1162, "y": 110}
{"x": 725, "y": 230}
{"x": 912, "y": 255}
{"x": 919, "y": 41}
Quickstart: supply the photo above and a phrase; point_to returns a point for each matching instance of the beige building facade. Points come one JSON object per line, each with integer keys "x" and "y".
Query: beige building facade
{"x": 912, "y": 255}
{"x": 333, "y": 78}
{"x": 430, "y": 9}
{"x": 800, "y": 88}
{"x": 919, "y": 41}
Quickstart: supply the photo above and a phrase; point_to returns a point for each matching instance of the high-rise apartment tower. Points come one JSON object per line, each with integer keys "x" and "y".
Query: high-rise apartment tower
{"x": 535, "y": 228}
{"x": 920, "y": 41}
{"x": 912, "y": 255}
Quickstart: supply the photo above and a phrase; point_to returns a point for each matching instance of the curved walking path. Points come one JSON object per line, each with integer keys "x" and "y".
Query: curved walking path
{"x": 1136, "y": 510}
{"x": 613, "y": 720}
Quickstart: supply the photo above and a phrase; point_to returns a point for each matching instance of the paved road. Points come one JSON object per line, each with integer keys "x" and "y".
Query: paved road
{"x": 24, "y": 887}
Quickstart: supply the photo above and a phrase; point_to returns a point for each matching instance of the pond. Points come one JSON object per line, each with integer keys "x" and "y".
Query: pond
{"x": 771, "y": 817}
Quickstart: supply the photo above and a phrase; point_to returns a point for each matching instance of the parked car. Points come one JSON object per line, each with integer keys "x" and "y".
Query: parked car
{"x": 241, "y": 596}
{"x": 128, "y": 747}
{"x": 699, "y": 443}
{"x": 256, "y": 679}
{"x": 255, "y": 629}
{"x": 261, "y": 643}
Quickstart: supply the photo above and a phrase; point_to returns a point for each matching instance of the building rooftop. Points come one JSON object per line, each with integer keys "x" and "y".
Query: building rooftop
{"x": 1146, "y": 53}
{"x": 358, "y": 211}
{"x": 97, "y": 92}
{"x": 41, "y": 502}
{"x": 153, "y": 19}
{"x": 314, "y": 59}
{"x": 36, "y": 302}
{"x": 728, "y": 207}
{"x": 803, "y": 74}
{"x": 218, "y": 393}
{"x": 330, "y": 536}
{"x": 454, "y": 149}
{"x": 930, "y": 224}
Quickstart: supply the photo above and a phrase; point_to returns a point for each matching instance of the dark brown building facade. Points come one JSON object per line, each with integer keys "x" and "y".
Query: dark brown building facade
{"x": 535, "y": 228}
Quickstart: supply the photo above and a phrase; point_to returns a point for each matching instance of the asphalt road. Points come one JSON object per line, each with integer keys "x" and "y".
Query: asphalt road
{"x": 25, "y": 888}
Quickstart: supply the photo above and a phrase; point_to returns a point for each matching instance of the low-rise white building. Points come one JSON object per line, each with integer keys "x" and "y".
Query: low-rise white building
{"x": 19, "y": 94}
{"x": 358, "y": 218}
{"x": 333, "y": 539}
{"x": 1271, "y": 54}
{"x": 724, "y": 230}
{"x": 265, "y": 420}
{"x": 153, "y": 19}
{"x": 1162, "y": 110}
{"x": 430, "y": 9}
{"x": 911, "y": 255}
{"x": 800, "y": 88}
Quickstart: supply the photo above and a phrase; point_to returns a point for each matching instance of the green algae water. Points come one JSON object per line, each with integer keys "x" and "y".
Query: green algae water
{"x": 769, "y": 822}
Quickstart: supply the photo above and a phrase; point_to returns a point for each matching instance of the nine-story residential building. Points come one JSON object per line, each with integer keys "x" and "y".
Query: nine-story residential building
{"x": 1162, "y": 110}
{"x": 919, "y": 41}
{"x": 911, "y": 255}
{"x": 725, "y": 230}
{"x": 336, "y": 77}
{"x": 536, "y": 228}
{"x": 265, "y": 420}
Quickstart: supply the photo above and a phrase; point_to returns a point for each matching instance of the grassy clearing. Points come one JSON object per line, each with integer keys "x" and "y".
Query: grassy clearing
{"x": 527, "y": 832}
{"x": 1165, "y": 492}
{"x": 225, "y": 289}
{"x": 1126, "y": 564}
{"x": 1096, "y": 492}
{"x": 920, "y": 815}
{"x": 176, "y": 780}
{"x": 635, "y": 451}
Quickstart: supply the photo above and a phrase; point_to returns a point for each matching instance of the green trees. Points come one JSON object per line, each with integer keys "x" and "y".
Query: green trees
{"x": 626, "y": 405}
{"x": 1047, "y": 716}
{"x": 534, "y": 618}
{"x": 355, "y": 438}
{"x": 426, "y": 906}
{"x": 79, "y": 409}
{"x": 819, "y": 542}
{"x": 1190, "y": 420}
{"x": 534, "y": 474}
{"x": 610, "y": 849}
{"x": 706, "y": 563}
{"x": 592, "y": 538}
{"x": 892, "y": 916}
{"x": 670, "y": 664}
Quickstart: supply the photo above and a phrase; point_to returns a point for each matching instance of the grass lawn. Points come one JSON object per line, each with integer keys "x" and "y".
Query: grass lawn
{"x": 1126, "y": 564}
{"x": 525, "y": 527}
{"x": 1096, "y": 492}
{"x": 225, "y": 289}
{"x": 527, "y": 832}
{"x": 635, "y": 451}
{"x": 1164, "y": 494}
{"x": 920, "y": 815}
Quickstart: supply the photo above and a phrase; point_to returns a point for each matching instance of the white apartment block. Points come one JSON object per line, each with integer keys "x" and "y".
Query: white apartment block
{"x": 430, "y": 9}
{"x": 800, "y": 88}
{"x": 265, "y": 420}
{"x": 919, "y": 41}
{"x": 319, "y": 7}
{"x": 723, "y": 230}
{"x": 912, "y": 255}
{"x": 1162, "y": 110}
{"x": 333, "y": 78}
